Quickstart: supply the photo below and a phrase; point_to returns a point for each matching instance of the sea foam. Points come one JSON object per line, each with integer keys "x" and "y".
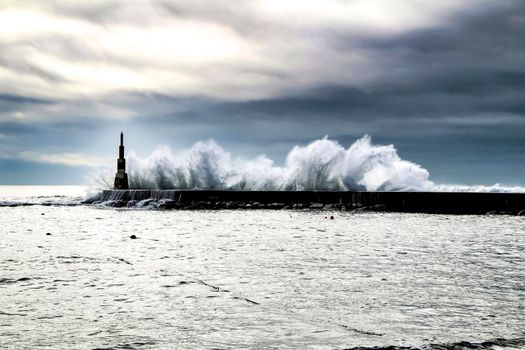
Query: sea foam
{"x": 324, "y": 164}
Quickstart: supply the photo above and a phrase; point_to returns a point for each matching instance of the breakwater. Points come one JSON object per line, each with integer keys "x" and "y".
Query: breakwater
{"x": 416, "y": 202}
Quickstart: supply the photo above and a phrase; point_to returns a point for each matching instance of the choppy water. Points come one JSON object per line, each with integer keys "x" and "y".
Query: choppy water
{"x": 258, "y": 279}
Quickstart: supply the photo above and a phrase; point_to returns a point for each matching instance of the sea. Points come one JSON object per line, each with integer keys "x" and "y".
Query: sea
{"x": 77, "y": 276}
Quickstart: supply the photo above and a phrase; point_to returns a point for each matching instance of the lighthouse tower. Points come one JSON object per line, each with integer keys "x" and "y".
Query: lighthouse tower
{"x": 121, "y": 178}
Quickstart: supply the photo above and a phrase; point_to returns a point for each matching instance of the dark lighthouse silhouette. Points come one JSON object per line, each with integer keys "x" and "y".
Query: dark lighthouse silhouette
{"x": 121, "y": 177}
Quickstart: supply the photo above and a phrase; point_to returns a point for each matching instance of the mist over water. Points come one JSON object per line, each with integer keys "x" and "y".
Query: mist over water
{"x": 323, "y": 164}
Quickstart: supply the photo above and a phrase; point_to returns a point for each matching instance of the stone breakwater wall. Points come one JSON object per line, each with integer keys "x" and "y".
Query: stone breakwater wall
{"x": 419, "y": 202}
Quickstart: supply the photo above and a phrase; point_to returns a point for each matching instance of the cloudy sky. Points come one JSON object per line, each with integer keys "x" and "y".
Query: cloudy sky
{"x": 444, "y": 81}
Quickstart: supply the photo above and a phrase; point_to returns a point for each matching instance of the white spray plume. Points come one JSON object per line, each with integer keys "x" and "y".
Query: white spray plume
{"x": 321, "y": 165}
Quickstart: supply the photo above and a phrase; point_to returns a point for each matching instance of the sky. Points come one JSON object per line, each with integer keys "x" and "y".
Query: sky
{"x": 443, "y": 81}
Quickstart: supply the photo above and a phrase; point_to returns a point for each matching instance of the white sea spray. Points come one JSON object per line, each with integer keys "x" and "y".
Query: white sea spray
{"x": 323, "y": 164}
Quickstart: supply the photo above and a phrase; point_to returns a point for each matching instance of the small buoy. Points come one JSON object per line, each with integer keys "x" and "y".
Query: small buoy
{"x": 331, "y": 217}
{"x": 133, "y": 237}
{"x": 48, "y": 234}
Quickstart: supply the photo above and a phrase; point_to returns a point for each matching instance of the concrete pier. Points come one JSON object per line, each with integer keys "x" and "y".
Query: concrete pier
{"x": 414, "y": 202}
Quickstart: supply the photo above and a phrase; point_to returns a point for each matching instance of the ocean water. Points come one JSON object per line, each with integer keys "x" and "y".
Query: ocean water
{"x": 254, "y": 279}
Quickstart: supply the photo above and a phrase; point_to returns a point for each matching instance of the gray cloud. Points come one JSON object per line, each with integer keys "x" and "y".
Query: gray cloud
{"x": 227, "y": 49}
{"x": 260, "y": 77}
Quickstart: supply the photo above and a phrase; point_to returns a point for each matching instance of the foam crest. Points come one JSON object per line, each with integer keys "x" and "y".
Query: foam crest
{"x": 323, "y": 164}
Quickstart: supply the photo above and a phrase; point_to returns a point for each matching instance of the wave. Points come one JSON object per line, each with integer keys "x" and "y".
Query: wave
{"x": 496, "y": 188}
{"x": 321, "y": 165}
{"x": 495, "y": 344}
{"x": 15, "y": 196}
{"x": 69, "y": 202}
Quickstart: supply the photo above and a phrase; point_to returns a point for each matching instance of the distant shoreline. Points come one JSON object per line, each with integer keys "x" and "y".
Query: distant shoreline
{"x": 407, "y": 202}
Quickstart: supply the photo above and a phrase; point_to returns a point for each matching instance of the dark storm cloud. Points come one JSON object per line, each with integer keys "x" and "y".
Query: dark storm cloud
{"x": 469, "y": 69}
{"x": 10, "y": 103}
{"x": 478, "y": 59}
{"x": 460, "y": 80}
{"x": 453, "y": 90}
{"x": 8, "y": 98}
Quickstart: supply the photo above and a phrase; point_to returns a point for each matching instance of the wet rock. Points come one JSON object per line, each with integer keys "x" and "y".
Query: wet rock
{"x": 190, "y": 206}
{"x": 48, "y": 233}
{"x": 153, "y": 205}
{"x": 131, "y": 203}
{"x": 120, "y": 203}
{"x": 203, "y": 205}
{"x": 316, "y": 206}
{"x": 256, "y": 205}
{"x": 144, "y": 203}
{"x": 169, "y": 204}
{"x": 338, "y": 206}
{"x": 360, "y": 209}
{"x": 276, "y": 206}
{"x": 379, "y": 207}
{"x": 218, "y": 205}
{"x": 230, "y": 205}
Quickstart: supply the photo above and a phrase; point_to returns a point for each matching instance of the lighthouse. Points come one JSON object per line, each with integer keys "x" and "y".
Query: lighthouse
{"x": 121, "y": 178}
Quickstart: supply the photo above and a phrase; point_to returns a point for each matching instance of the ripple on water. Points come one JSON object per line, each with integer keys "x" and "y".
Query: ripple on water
{"x": 260, "y": 280}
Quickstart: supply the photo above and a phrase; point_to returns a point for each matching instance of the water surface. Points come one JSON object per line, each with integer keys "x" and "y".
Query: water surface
{"x": 256, "y": 279}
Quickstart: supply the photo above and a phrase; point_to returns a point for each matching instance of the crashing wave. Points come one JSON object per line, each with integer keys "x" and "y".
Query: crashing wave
{"x": 15, "y": 196}
{"x": 321, "y": 165}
